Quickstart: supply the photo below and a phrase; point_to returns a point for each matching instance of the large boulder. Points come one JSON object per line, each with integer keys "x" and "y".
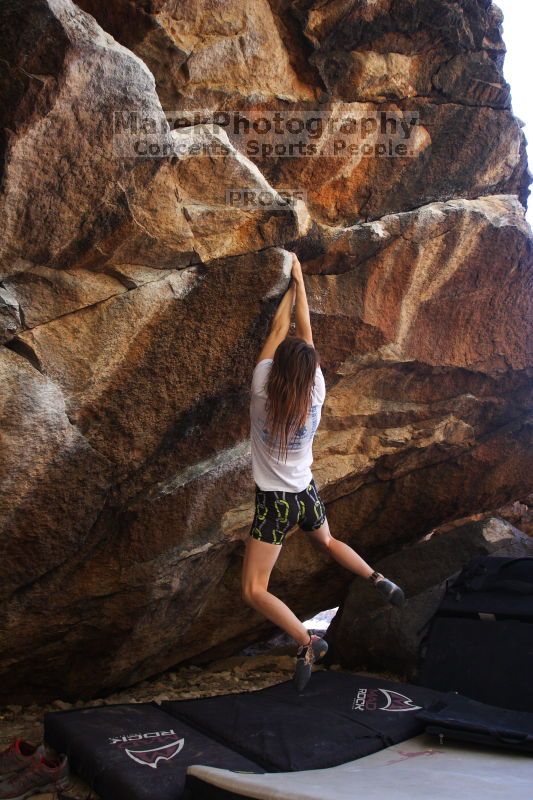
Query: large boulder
{"x": 135, "y": 296}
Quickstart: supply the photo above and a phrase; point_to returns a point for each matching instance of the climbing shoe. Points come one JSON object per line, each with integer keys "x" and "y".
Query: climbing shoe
{"x": 46, "y": 774}
{"x": 389, "y": 590}
{"x": 306, "y": 656}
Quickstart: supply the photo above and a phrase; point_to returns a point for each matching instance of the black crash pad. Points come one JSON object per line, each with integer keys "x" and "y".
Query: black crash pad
{"x": 487, "y": 660}
{"x": 337, "y": 718}
{"x": 135, "y": 751}
{"x": 459, "y": 717}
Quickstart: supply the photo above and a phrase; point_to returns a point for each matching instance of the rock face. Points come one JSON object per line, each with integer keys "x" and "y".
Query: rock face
{"x": 135, "y": 295}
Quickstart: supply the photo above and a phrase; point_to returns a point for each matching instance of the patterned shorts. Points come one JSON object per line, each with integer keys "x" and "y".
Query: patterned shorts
{"x": 276, "y": 512}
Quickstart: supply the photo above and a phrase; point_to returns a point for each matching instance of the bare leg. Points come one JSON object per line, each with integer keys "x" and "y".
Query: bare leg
{"x": 340, "y": 551}
{"x": 259, "y": 560}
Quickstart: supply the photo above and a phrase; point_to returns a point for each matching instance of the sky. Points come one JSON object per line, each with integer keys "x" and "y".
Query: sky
{"x": 517, "y": 25}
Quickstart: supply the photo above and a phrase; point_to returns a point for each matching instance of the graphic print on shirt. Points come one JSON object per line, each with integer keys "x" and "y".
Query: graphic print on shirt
{"x": 303, "y": 435}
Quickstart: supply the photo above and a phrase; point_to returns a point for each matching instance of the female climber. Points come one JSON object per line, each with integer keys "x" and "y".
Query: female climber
{"x": 287, "y": 394}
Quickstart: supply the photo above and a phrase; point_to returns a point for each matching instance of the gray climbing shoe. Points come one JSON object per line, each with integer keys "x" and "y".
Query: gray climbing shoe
{"x": 306, "y": 656}
{"x": 389, "y": 590}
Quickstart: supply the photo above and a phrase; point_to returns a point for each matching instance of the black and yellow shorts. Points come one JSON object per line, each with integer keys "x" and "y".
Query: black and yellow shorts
{"x": 276, "y": 512}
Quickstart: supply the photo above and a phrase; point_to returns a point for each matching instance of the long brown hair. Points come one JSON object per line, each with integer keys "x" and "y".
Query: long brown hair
{"x": 289, "y": 387}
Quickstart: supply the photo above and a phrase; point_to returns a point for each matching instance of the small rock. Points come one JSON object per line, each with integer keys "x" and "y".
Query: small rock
{"x": 62, "y": 705}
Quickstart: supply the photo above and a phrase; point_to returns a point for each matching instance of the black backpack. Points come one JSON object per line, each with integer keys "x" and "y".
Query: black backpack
{"x": 495, "y": 585}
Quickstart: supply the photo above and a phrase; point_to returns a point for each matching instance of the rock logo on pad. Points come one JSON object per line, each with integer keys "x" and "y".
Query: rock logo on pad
{"x": 150, "y": 756}
{"x": 382, "y": 700}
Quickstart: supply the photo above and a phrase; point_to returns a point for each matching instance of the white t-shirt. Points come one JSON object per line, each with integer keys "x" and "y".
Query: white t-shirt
{"x": 269, "y": 472}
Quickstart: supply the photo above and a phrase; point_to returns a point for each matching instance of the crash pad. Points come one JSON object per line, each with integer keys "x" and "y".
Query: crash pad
{"x": 142, "y": 751}
{"x": 134, "y": 751}
{"x": 340, "y": 716}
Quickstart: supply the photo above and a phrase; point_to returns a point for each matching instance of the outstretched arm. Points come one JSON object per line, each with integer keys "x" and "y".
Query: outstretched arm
{"x": 303, "y": 319}
{"x": 280, "y": 324}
